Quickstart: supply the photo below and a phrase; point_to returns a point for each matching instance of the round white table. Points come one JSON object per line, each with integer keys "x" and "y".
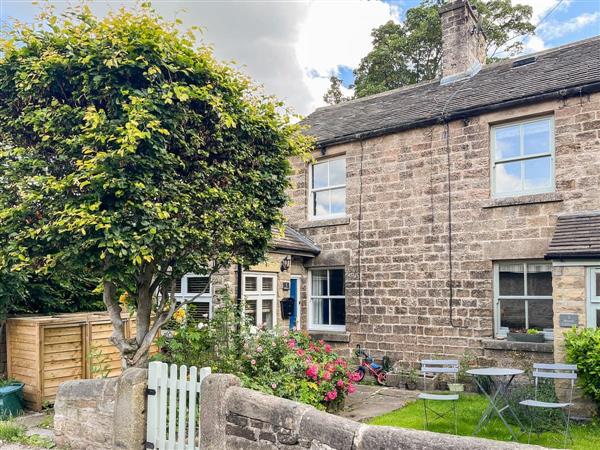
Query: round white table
{"x": 498, "y": 400}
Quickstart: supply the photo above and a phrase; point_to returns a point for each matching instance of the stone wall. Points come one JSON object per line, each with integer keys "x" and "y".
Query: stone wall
{"x": 394, "y": 243}
{"x": 105, "y": 413}
{"x": 234, "y": 418}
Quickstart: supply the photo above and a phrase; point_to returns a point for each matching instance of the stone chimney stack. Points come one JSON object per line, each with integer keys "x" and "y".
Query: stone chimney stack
{"x": 463, "y": 41}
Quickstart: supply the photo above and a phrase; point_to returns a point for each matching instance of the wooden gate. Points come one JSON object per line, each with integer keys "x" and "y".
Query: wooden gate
{"x": 174, "y": 406}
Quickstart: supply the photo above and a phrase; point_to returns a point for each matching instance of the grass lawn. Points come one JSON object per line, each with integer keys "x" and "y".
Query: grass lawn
{"x": 469, "y": 410}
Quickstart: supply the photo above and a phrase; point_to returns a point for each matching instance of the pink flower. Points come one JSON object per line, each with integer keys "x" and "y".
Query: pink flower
{"x": 331, "y": 395}
{"x": 292, "y": 343}
{"x": 274, "y": 385}
{"x": 300, "y": 352}
{"x": 321, "y": 341}
{"x": 285, "y": 333}
{"x": 327, "y": 376}
{"x": 253, "y": 362}
{"x": 259, "y": 349}
{"x": 327, "y": 348}
{"x": 351, "y": 388}
{"x": 340, "y": 384}
{"x": 312, "y": 371}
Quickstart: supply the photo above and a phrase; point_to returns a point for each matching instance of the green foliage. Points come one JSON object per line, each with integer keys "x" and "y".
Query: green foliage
{"x": 583, "y": 349}
{"x": 11, "y": 432}
{"x": 130, "y": 154}
{"x": 99, "y": 363}
{"x": 289, "y": 365}
{"x": 334, "y": 95}
{"x": 410, "y": 52}
{"x": 469, "y": 410}
{"x": 545, "y": 419}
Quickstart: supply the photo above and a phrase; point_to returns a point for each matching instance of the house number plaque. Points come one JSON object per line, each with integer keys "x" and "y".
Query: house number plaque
{"x": 568, "y": 320}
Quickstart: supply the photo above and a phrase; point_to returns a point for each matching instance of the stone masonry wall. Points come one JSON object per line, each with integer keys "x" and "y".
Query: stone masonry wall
{"x": 233, "y": 418}
{"x": 394, "y": 246}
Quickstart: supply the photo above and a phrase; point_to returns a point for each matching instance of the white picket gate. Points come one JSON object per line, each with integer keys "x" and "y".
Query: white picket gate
{"x": 174, "y": 406}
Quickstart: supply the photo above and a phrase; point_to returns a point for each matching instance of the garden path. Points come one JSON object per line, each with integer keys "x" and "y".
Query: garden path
{"x": 371, "y": 401}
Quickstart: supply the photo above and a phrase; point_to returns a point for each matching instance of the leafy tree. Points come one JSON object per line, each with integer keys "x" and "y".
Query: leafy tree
{"x": 334, "y": 95}
{"x": 410, "y": 52}
{"x": 130, "y": 154}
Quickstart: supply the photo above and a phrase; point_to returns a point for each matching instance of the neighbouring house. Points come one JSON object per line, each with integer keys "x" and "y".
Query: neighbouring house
{"x": 439, "y": 216}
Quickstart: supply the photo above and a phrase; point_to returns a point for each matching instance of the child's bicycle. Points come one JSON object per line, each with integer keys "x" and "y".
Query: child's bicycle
{"x": 366, "y": 363}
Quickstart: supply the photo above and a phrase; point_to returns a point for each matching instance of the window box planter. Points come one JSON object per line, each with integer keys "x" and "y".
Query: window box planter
{"x": 524, "y": 337}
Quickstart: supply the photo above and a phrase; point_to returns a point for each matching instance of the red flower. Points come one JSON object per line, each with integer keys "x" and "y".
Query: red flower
{"x": 312, "y": 371}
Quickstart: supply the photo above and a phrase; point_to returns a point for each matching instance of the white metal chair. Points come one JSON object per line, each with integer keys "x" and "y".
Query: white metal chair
{"x": 435, "y": 367}
{"x": 554, "y": 372}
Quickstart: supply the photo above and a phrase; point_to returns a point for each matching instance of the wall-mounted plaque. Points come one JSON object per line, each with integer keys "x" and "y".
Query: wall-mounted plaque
{"x": 568, "y": 320}
{"x": 285, "y": 286}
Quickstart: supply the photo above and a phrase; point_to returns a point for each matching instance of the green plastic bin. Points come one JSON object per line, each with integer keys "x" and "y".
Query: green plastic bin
{"x": 11, "y": 400}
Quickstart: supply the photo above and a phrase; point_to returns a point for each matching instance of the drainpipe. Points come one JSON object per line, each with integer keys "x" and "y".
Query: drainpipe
{"x": 239, "y": 295}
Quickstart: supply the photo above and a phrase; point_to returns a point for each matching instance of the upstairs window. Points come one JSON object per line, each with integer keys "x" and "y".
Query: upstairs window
{"x": 328, "y": 189}
{"x": 523, "y": 157}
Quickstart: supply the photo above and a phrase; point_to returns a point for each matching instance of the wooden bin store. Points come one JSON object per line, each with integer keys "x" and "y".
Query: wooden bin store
{"x": 45, "y": 351}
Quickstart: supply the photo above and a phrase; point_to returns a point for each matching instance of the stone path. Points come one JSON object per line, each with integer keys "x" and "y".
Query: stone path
{"x": 371, "y": 401}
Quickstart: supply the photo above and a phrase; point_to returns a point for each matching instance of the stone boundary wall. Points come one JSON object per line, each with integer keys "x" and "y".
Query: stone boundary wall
{"x": 234, "y": 418}
{"x": 102, "y": 414}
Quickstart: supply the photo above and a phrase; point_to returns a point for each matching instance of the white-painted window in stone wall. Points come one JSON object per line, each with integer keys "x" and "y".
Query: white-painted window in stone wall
{"x": 327, "y": 305}
{"x": 523, "y": 157}
{"x": 259, "y": 297}
{"x": 327, "y": 196}
{"x": 593, "y": 312}
{"x": 523, "y": 297}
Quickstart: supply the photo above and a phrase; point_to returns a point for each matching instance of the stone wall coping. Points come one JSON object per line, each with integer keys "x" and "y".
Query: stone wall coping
{"x": 325, "y": 222}
{"x": 548, "y": 197}
{"x": 537, "y": 347}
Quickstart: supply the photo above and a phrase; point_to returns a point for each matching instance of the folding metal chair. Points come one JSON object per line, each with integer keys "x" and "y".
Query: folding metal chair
{"x": 554, "y": 372}
{"x": 435, "y": 367}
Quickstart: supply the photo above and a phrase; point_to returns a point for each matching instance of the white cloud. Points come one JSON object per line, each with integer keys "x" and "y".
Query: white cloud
{"x": 555, "y": 29}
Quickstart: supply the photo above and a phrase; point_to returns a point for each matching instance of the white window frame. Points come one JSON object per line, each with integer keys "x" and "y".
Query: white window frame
{"x": 502, "y": 331}
{"x": 323, "y": 327}
{"x": 259, "y": 295}
{"x": 522, "y": 158}
{"x": 184, "y": 295}
{"x": 593, "y": 301}
{"x": 311, "y": 191}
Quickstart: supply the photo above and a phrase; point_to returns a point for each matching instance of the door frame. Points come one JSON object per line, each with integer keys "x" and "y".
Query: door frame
{"x": 592, "y": 302}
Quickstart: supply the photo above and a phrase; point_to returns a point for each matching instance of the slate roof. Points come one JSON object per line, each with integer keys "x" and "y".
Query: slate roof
{"x": 573, "y": 69}
{"x": 294, "y": 242}
{"x": 576, "y": 236}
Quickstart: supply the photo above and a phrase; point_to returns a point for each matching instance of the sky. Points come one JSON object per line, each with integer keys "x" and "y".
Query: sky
{"x": 291, "y": 47}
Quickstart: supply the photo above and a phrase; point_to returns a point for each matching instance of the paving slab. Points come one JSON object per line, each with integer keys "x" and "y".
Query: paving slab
{"x": 371, "y": 401}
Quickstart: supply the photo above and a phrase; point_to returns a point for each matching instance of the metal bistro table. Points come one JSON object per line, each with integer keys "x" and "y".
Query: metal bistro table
{"x": 498, "y": 401}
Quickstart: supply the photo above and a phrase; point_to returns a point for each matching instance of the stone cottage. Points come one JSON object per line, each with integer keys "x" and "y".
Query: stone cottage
{"x": 437, "y": 217}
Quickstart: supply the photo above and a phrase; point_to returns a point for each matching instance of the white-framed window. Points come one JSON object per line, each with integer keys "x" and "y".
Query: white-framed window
{"x": 523, "y": 157}
{"x": 523, "y": 296}
{"x": 327, "y": 188}
{"x": 260, "y": 294}
{"x": 197, "y": 288}
{"x": 327, "y": 303}
{"x": 593, "y": 310}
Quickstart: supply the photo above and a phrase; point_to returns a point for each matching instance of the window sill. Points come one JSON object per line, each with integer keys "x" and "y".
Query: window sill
{"x": 548, "y": 197}
{"x": 330, "y": 336}
{"x": 500, "y": 344}
{"x": 325, "y": 222}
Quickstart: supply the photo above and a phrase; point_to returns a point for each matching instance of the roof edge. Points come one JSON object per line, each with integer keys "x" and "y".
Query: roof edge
{"x": 463, "y": 114}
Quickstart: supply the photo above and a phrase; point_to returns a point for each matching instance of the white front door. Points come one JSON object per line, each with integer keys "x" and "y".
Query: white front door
{"x": 260, "y": 294}
{"x": 593, "y": 303}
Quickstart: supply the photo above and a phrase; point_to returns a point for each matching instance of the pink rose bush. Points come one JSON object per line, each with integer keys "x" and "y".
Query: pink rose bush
{"x": 292, "y": 365}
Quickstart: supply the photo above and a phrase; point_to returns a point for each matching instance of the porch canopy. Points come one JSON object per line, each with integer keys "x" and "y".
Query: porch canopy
{"x": 576, "y": 236}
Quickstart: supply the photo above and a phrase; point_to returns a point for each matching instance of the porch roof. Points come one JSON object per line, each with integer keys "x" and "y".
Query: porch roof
{"x": 294, "y": 242}
{"x": 576, "y": 236}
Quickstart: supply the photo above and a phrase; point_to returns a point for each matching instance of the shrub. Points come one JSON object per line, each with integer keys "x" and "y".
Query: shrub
{"x": 282, "y": 363}
{"x": 583, "y": 349}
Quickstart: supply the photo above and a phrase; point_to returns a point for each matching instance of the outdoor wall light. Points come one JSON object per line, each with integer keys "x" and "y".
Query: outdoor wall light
{"x": 286, "y": 263}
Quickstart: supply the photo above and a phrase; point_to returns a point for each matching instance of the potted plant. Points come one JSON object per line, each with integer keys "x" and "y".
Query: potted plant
{"x": 525, "y": 335}
{"x": 411, "y": 380}
{"x": 461, "y": 376}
